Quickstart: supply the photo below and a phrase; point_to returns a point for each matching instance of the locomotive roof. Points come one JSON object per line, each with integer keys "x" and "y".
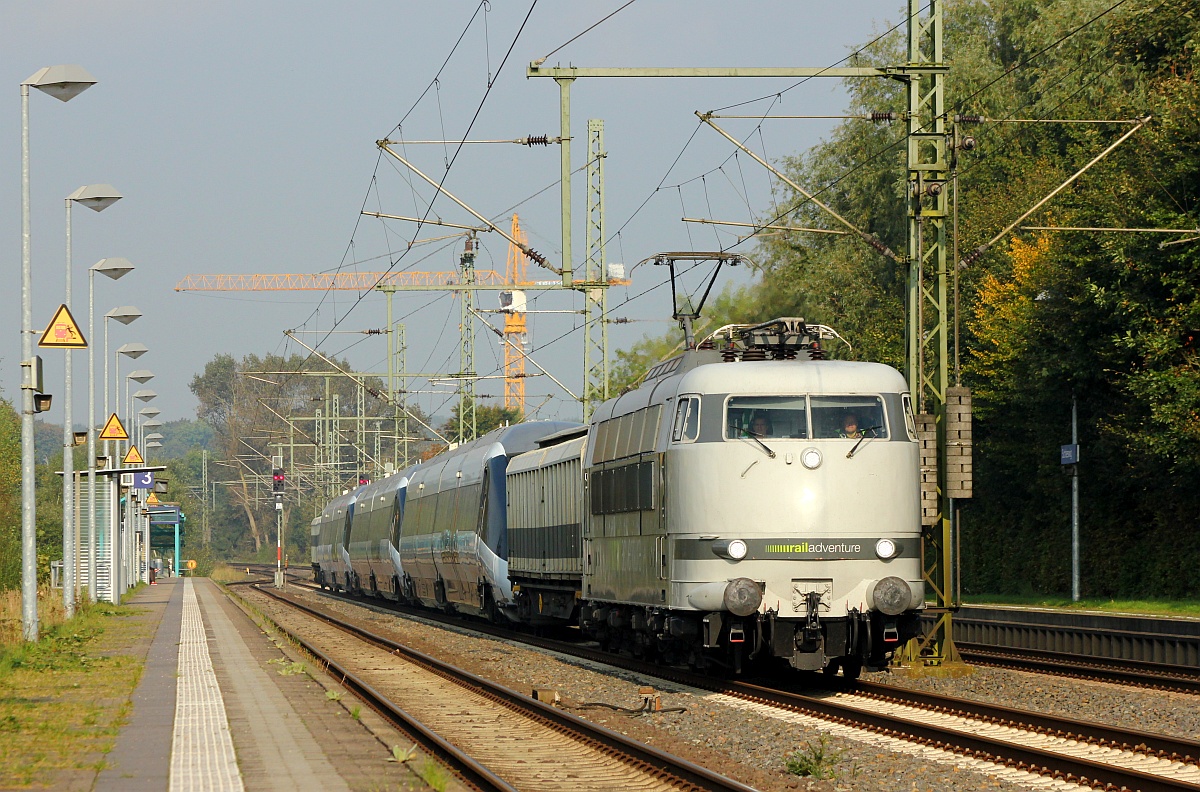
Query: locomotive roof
{"x": 703, "y": 371}
{"x": 797, "y": 376}
{"x": 516, "y": 439}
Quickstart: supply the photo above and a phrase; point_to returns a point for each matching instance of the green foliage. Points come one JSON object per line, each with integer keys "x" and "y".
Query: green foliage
{"x": 815, "y": 760}
{"x": 183, "y": 437}
{"x": 10, "y": 496}
{"x": 1111, "y": 319}
{"x": 487, "y": 418}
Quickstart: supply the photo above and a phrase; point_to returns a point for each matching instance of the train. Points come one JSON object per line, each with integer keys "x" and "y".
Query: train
{"x": 749, "y": 503}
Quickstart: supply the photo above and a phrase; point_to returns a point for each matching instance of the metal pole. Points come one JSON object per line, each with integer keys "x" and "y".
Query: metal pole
{"x": 564, "y": 105}
{"x": 68, "y": 523}
{"x": 91, "y": 441}
{"x": 204, "y": 530}
{"x": 279, "y": 541}
{"x": 1075, "y": 504}
{"x": 29, "y": 614}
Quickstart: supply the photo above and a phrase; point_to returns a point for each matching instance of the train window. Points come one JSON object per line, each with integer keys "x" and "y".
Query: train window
{"x": 610, "y": 439}
{"x": 687, "y": 420}
{"x": 848, "y": 416}
{"x": 910, "y": 423}
{"x": 631, "y": 434}
{"x": 650, "y": 429}
{"x": 766, "y": 416}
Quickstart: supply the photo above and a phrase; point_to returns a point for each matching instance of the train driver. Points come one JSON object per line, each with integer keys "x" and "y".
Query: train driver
{"x": 850, "y": 427}
{"x": 760, "y": 426}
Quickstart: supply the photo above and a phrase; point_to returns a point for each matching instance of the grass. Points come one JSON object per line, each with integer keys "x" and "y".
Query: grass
{"x": 1148, "y": 607}
{"x": 63, "y": 698}
{"x": 224, "y": 573}
{"x": 815, "y": 760}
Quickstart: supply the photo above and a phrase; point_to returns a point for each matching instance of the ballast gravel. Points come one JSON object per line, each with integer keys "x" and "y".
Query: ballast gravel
{"x": 752, "y": 744}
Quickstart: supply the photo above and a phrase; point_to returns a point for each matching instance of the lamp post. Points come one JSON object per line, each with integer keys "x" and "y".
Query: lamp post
{"x": 96, "y": 197}
{"x": 130, "y": 510}
{"x": 145, "y": 414}
{"x": 113, "y": 268}
{"x": 63, "y": 83}
{"x": 125, "y": 314}
{"x": 143, "y": 395}
{"x": 152, "y": 441}
{"x": 141, "y": 377}
{"x": 151, "y": 423}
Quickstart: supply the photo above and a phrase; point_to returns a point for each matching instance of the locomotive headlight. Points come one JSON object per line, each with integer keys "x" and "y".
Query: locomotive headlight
{"x": 885, "y": 549}
{"x": 890, "y": 595}
{"x": 734, "y": 549}
{"x": 810, "y": 458}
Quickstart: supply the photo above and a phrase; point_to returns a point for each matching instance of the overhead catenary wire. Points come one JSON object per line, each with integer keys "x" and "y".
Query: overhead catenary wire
{"x": 618, "y": 234}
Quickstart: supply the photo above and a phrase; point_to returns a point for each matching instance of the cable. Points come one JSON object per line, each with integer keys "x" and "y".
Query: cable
{"x": 779, "y": 94}
{"x": 588, "y": 30}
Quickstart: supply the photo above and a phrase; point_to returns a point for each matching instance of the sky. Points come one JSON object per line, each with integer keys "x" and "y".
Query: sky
{"x": 242, "y": 136}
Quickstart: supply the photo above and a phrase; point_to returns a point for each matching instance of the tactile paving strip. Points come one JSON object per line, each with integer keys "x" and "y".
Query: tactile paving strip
{"x": 202, "y": 756}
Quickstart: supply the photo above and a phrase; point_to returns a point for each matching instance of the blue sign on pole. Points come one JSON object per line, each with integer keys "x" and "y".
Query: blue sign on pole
{"x": 1070, "y": 454}
{"x": 143, "y": 480}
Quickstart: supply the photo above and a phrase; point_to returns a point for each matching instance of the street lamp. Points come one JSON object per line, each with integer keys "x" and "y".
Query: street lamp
{"x": 141, "y": 377}
{"x": 125, "y": 314}
{"x": 63, "y": 83}
{"x": 153, "y": 423}
{"x": 96, "y": 197}
{"x": 113, "y": 268}
{"x": 150, "y": 438}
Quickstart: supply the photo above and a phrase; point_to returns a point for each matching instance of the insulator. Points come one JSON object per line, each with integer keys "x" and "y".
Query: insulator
{"x": 880, "y": 117}
{"x": 537, "y": 140}
{"x": 968, "y": 119}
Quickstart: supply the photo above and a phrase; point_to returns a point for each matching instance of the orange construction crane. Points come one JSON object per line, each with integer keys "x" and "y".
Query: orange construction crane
{"x": 512, "y": 286}
{"x": 512, "y": 302}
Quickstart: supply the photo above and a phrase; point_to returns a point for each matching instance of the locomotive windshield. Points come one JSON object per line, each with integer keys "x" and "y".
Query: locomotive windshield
{"x": 848, "y": 416}
{"x": 803, "y": 417}
{"x": 767, "y": 416}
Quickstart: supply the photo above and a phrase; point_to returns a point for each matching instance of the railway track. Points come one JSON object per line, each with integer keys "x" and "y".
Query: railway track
{"x": 1156, "y": 676}
{"x": 493, "y": 737}
{"x": 1079, "y": 751}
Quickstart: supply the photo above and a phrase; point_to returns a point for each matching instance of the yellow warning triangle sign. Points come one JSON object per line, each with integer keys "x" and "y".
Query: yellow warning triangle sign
{"x": 63, "y": 332}
{"x": 114, "y": 429}
{"x": 132, "y": 457}
{"x": 151, "y": 499}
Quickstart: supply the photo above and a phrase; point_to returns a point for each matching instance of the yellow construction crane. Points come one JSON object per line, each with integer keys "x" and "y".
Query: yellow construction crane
{"x": 512, "y": 285}
{"x": 512, "y": 302}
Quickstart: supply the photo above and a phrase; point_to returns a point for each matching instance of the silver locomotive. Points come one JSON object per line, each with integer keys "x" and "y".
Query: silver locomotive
{"x": 749, "y": 501}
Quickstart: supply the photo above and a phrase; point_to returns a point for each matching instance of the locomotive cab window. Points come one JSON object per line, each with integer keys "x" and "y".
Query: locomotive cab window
{"x": 848, "y": 417}
{"x": 766, "y": 416}
{"x": 687, "y": 420}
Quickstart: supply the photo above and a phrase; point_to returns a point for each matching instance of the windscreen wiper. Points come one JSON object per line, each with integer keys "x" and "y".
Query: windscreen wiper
{"x": 753, "y": 436}
{"x": 871, "y": 429}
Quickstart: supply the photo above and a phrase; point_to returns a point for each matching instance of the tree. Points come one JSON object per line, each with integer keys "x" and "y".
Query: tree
{"x": 487, "y": 418}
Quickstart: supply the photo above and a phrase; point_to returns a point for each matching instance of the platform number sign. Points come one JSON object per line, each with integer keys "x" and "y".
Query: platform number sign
{"x": 143, "y": 480}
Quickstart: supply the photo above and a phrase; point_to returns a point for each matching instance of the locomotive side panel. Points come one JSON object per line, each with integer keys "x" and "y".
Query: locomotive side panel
{"x": 417, "y": 534}
{"x": 357, "y": 544}
{"x": 545, "y": 492}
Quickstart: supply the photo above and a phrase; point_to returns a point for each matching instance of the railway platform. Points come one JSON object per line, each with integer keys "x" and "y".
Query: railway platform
{"x": 220, "y": 706}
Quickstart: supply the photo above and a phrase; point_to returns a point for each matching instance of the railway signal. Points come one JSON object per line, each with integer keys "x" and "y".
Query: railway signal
{"x": 279, "y": 480}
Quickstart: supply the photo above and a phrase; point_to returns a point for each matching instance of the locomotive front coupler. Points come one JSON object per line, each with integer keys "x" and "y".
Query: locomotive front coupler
{"x": 812, "y": 621}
